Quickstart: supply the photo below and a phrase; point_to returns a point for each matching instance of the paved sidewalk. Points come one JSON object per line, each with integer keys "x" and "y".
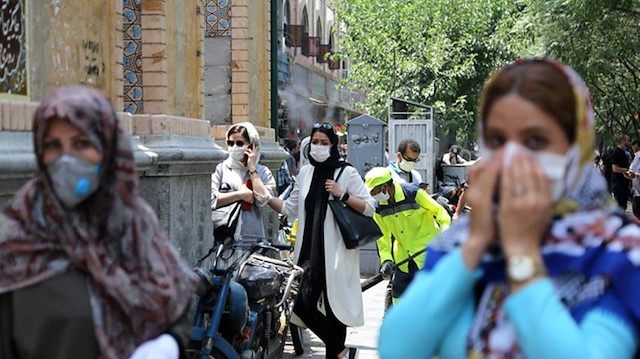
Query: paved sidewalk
{"x": 364, "y": 338}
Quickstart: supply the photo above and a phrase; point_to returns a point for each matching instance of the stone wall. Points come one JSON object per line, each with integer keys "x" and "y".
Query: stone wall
{"x": 148, "y": 59}
{"x": 74, "y": 42}
{"x": 217, "y": 74}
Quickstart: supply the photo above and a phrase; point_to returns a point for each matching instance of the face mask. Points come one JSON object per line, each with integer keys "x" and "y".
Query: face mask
{"x": 381, "y": 196}
{"x": 73, "y": 179}
{"x": 320, "y": 153}
{"x": 236, "y": 153}
{"x": 406, "y": 166}
{"x": 553, "y": 165}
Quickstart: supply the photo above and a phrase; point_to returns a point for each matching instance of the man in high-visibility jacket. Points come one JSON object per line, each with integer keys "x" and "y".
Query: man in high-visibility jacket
{"x": 408, "y": 218}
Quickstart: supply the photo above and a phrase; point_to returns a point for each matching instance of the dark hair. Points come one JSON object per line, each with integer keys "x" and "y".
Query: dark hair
{"x": 540, "y": 83}
{"x": 620, "y": 139}
{"x": 410, "y": 143}
{"x": 328, "y": 130}
{"x": 636, "y": 142}
{"x": 291, "y": 145}
{"x": 239, "y": 129}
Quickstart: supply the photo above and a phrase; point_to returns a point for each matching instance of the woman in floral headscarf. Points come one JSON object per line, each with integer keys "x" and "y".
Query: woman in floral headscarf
{"x": 85, "y": 270}
{"x": 545, "y": 266}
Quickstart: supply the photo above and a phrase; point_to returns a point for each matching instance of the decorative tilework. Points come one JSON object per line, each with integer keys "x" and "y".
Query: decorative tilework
{"x": 13, "y": 62}
{"x": 132, "y": 59}
{"x": 217, "y": 18}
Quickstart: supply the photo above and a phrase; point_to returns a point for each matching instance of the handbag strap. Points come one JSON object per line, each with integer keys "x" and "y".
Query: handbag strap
{"x": 340, "y": 173}
{"x": 338, "y": 177}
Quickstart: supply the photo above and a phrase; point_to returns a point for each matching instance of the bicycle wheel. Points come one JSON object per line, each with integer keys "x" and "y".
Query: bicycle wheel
{"x": 296, "y": 338}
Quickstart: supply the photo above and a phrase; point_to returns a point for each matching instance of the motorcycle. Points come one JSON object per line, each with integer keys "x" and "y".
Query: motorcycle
{"x": 244, "y": 309}
{"x": 449, "y": 193}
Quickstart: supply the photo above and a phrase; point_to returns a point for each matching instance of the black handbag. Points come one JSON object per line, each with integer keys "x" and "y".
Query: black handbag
{"x": 357, "y": 229}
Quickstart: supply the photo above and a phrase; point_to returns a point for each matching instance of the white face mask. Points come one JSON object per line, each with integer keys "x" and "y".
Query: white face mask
{"x": 236, "y": 153}
{"x": 406, "y": 166}
{"x": 381, "y": 196}
{"x": 320, "y": 153}
{"x": 553, "y": 165}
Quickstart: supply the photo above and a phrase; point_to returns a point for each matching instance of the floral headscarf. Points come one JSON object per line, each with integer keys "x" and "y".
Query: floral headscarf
{"x": 139, "y": 285}
{"x": 581, "y": 249}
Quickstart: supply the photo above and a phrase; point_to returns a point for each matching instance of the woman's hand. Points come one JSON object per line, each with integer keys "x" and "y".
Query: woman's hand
{"x": 162, "y": 347}
{"x": 246, "y": 194}
{"x": 332, "y": 187}
{"x": 525, "y": 206}
{"x": 483, "y": 177}
{"x": 252, "y": 156}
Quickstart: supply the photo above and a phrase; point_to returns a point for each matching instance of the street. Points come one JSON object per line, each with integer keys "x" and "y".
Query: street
{"x": 365, "y": 338}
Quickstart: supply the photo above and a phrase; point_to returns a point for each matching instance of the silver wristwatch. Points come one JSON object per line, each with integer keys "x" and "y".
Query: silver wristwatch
{"x": 521, "y": 268}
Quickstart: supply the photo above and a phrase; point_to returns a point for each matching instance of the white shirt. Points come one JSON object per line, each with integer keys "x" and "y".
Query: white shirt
{"x": 635, "y": 168}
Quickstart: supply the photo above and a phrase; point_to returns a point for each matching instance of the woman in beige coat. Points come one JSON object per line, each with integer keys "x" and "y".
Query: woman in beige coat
{"x": 330, "y": 298}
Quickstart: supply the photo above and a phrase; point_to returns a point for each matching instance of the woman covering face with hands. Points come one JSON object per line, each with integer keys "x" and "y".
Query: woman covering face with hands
{"x": 544, "y": 266}
{"x": 85, "y": 270}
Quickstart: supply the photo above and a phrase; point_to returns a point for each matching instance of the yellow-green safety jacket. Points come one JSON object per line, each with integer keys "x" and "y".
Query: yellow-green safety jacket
{"x": 412, "y": 221}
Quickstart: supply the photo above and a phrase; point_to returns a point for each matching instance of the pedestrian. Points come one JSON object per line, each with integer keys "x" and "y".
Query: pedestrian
{"x": 292, "y": 163}
{"x": 407, "y": 156}
{"x": 453, "y": 157}
{"x": 237, "y": 215}
{"x": 330, "y": 298}
{"x": 85, "y": 269}
{"x": 544, "y": 266}
{"x": 606, "y": 165}
{"x": 619, "y": 179}
{"x": 409, "y": 216}
{"x": 634, "y": 173}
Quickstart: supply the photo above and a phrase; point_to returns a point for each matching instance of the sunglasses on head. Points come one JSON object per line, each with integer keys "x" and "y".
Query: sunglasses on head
{"x": 324, "y": 125}
{"x": 416, "y": 160}
{"x": 238, "y": 143}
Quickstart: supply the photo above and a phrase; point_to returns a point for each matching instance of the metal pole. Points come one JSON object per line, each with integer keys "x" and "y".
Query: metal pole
{"x": 274, "y": 66}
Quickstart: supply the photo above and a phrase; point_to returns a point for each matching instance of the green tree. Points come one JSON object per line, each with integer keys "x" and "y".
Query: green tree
{"x": 438, "y": 52}
{"x": 600, "y": 39}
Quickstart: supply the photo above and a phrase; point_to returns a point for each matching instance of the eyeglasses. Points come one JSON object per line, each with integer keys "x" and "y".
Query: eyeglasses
{"x": 238, "y": 143}
{"x": 324, "y": 125}
{"x": 416, "y": 160}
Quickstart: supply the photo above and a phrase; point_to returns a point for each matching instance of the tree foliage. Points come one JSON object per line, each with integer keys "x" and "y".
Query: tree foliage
{"x": 438, "y": 52}
{"x": 441, "y": 52}
{"x": 600, "y": 39}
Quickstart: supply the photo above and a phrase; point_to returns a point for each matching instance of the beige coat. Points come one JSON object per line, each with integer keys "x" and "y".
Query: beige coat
{"x": 342, "y": 265}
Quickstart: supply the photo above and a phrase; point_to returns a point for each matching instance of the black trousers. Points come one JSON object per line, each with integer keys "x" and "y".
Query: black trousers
{"x": 401, "y": 280}
{"x": 622, "y": 196}
{"x": 635, "y": 205}
{"x": 328, "y": 328}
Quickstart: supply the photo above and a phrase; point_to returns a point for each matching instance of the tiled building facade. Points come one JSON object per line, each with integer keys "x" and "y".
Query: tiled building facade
{"x": 150, "y": 57}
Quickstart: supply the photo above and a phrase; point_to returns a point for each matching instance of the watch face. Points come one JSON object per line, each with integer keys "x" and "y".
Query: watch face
{"x": 520, "y": 268}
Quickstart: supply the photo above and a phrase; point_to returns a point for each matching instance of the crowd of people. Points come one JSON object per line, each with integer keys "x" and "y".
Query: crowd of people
{"x": 545, "y": 266}
{"x": 620, "y": 166}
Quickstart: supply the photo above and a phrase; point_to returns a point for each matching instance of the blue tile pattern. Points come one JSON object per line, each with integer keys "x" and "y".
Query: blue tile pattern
{"x": 132, "y": 56}
{"x": 217, "y": 18}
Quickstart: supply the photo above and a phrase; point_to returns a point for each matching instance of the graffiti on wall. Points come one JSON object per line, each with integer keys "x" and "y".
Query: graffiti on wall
{"x": 217, "y": 18}
{"x": 93, "y": 65}
{"x": 13, "y": 52}
{"x": 132, "y": 61}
